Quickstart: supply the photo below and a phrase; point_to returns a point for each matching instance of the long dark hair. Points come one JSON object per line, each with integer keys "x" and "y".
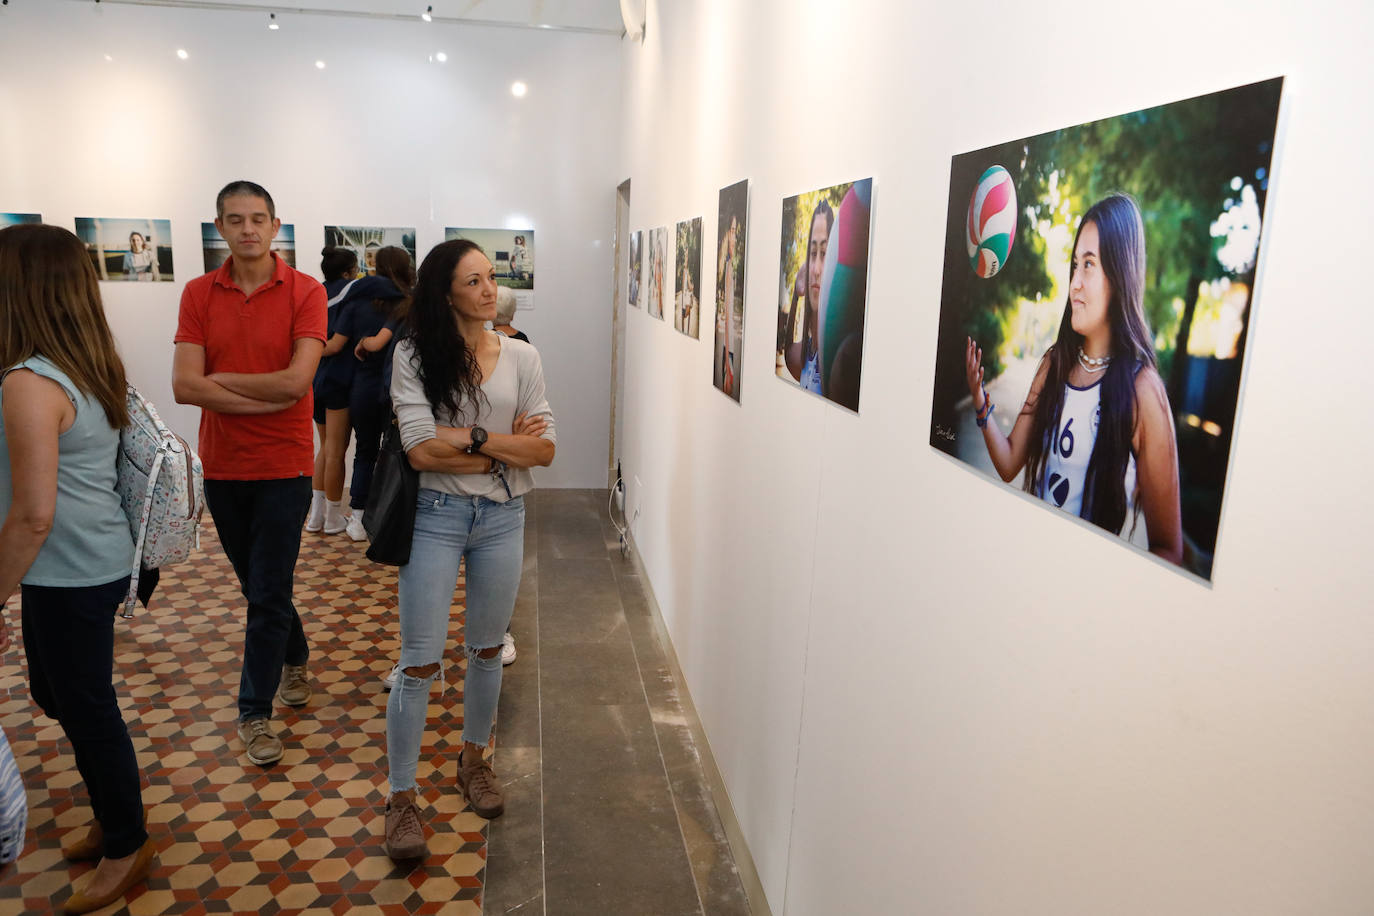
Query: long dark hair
{"x": 1121, "y": 236}
{"x": 445, "y": 362}
{"x": 394, "y": 263}
{"x": 50, "y": 306}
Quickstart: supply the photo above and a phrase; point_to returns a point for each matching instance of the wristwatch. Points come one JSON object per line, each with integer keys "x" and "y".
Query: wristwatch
{"x": 479, "y": 439}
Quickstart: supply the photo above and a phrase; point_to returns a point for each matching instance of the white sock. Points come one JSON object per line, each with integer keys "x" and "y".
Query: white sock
{"x": 333, "y": 513}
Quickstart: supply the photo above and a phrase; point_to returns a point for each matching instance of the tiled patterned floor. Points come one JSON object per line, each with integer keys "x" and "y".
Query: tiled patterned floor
{"x": 302, "y": 836}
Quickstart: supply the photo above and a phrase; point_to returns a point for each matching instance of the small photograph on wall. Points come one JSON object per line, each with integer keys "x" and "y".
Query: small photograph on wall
{"x": 17, "y": 219}
{"x": 636, "y": 266}
{"x": 658, "y": 274}
{"x": 366, "y": 241}
{"x": 687, "y": 273}
{"x": 823, "y": 290}
{"x": 512, "y": 254}
{"x": 1097, "y": 302}
{"x": 128, "y": 249}
{"x": 216, "y": 249}
{"x": 731, "y": 233}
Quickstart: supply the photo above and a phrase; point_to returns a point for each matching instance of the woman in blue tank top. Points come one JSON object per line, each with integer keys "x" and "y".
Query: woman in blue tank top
{"x": 1096, "y": 434}
{"x": 65, "y": 542}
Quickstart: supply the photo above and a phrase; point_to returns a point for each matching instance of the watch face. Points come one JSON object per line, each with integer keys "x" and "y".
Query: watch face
{"x": 479, "y": 437}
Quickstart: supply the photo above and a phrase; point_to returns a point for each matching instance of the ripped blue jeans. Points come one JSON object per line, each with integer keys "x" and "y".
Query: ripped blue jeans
{"x": 448, "y": 528}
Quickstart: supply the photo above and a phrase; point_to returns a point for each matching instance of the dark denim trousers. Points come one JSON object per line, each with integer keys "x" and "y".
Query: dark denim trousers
{"x": 259, "y": 523}
{"x": 69, "y": 641}
{"x": 369, "y": 412}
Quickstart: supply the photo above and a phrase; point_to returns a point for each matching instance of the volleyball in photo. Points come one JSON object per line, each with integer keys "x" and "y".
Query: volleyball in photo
{"x": 991, "y": 222}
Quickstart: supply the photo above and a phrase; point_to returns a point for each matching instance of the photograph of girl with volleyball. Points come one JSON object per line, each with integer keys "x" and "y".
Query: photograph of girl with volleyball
{"x": 1098, "y": 295}
{"x": 1125, "y": 434}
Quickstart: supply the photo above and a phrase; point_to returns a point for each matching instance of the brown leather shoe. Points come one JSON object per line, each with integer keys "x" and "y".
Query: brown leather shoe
{"x": 88, "y": 848}
{"x": 143, "y": 864}
{"x": 92, "y": 844}
{"x": 479, "y": 784}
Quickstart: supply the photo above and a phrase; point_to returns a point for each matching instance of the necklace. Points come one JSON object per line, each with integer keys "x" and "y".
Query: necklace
{"x": 1091, "y": 364}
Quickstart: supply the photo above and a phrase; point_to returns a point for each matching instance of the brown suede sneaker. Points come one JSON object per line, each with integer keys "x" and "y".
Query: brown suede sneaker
{"x": 261, "y": 743}
{"x": 479, "y": 784}
{"x": 405, "y": 834}
{"x": 295, "y": 686}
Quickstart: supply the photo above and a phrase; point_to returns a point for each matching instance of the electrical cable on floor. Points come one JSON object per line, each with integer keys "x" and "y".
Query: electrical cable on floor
{"x": 620, "y": 526}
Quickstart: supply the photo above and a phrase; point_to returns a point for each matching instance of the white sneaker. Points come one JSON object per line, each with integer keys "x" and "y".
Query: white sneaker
{"x": 334, "y": 518}
{"x": 315, "y": 520}
{"x": 507, "y": 648}
{"x": 392, "y": 679}
{"x": 355, "y": 528}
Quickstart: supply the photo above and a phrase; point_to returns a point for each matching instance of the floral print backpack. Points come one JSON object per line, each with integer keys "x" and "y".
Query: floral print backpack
{"x": 162, "y": 489}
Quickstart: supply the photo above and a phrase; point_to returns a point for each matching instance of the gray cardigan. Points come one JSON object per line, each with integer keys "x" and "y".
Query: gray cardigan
{"x": 516, "y": 386}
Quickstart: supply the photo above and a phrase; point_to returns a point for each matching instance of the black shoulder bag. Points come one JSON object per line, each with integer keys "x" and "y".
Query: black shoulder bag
{"x": 389, "y": 517}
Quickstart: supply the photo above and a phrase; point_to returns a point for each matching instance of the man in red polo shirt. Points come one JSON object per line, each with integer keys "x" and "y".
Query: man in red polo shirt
{"x": 248, "y": 340}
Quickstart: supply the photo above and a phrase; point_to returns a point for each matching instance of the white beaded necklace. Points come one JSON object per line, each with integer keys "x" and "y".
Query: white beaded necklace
{"x": 1093, "y": 365}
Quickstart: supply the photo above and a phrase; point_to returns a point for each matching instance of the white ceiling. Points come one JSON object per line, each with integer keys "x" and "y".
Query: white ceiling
{"x": 588, "y": 15}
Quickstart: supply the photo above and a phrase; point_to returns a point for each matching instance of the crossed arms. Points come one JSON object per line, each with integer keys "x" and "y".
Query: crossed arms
{"x": 244, "y": 392}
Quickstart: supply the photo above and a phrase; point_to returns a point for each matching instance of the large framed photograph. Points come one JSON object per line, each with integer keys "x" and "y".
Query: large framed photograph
{"x": 128, "y": 249}
{"x": 216, "y": 249}
{"x": 366, "y": 241}
{"x": 512, "y": 254}
{"x": 16, "y": 219}
{"x": 732, "y": 231}
{"x": 823, "y": 290}
{"x": 687, "y": 272}
{"x": 636, "y": 266}
{"x": 658, "y": 269}
{"x": 1099, "y": 290}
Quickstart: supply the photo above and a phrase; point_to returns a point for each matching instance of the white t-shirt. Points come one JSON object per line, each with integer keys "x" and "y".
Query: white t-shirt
{"x": 516, "y": 386}
{"x": 1071, "y": 448}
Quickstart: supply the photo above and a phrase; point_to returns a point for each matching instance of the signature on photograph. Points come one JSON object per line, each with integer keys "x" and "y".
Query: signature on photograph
{"x": 944, "y": 432}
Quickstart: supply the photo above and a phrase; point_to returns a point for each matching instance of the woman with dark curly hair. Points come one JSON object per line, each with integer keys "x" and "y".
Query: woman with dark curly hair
{"x": 473, "y": 420}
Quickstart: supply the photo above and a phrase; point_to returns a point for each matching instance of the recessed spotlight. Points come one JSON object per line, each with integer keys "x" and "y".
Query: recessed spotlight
{"x": 518, "y": 89}
{"x": 428, "y": 14}
{"x": 319, "y": 65}
{"x": 272, "y": 22}
{"x": 441, "y": 57}
{"x": 108, "y": 57}
{"x": 181, "y": 52}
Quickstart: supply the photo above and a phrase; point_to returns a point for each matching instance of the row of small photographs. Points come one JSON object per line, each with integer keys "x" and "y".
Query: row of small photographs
{"x": 1048, "y": 314}
{"x": 141, "y": 249}
{"x": 823, "y": 286}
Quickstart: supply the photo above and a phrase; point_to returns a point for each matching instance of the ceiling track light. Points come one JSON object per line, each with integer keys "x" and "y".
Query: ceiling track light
{"x": 428, "y": 14}
{"x": 272, "y": 22}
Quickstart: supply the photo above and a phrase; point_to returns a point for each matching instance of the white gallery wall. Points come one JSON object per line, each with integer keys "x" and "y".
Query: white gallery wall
{"x": 925, "y": 693}
{"x": 100, "y": 118}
